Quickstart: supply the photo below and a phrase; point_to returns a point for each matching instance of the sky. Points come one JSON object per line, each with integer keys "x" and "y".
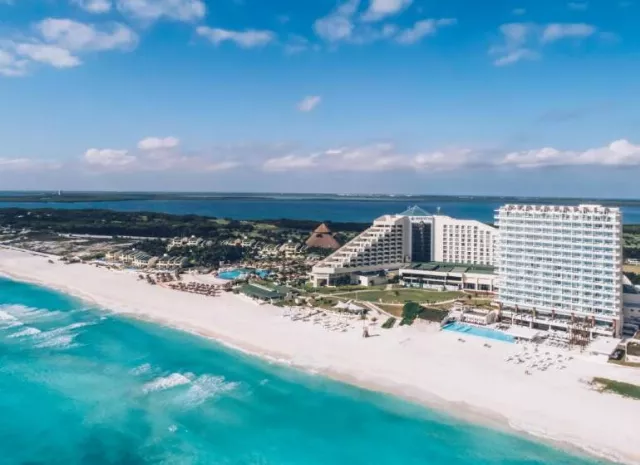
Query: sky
{"x": 460, "y": 97}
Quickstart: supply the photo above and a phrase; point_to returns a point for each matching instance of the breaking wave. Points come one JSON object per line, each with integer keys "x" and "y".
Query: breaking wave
{"x": 167, "y": 382}
{"x": 29, "y": 331}
{"x": 205, "y": 387}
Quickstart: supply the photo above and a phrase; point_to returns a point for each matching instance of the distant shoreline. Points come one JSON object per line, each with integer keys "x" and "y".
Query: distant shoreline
{"x": 79, "y": 197}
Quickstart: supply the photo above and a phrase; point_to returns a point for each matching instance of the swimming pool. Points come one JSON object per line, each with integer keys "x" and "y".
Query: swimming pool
{"x": 238, "y": 272}
{"x": 478, "y": 331}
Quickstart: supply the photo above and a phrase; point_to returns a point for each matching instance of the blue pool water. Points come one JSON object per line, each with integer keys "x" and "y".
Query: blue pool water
{"x": 80, "y": 386}
{"x": 478, "y": 331}
{"x": 235, "y": 274}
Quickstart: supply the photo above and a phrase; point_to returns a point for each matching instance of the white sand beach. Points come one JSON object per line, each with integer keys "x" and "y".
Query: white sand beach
{"x": 420, "y": 362}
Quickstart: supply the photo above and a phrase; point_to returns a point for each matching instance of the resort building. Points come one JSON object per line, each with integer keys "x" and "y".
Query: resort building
{"x": 290, "y": 249}
{"x": 192, "y": 241}
{"x": 463, "y": 241}
{"x": 562, "y": 265}
{"x": 414, "y": 235}
{"x": 385, "y": 245}
{"x": 171, "y": 263}
{"x": 411, "y": 236}
{"x": 449, "y": 276}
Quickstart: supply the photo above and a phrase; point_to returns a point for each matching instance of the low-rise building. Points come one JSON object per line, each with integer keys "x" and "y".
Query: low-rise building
{"x": 450, "y": 276}
{"x": 290, "y": 249}
{"x": 170, "y": 263}
{"x": 192, "y": 241}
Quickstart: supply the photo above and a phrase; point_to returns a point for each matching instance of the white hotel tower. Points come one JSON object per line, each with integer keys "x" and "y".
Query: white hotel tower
{"x": 565, "y": 262}
{"x": 394, "y": 241}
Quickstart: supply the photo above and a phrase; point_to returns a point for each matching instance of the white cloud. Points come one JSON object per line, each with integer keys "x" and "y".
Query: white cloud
{"x": 158, "y": 143}
{"x": 524, "y": 41}
{"x": 290, "y": 163}
{"x": 618, "y": 153}
{"x": 379, "y": 9}
{"x": 422, "y": 29}
{"x": 221, "y": 166}
{"x": 59, "y": 43}
{"x": 578, "y": 6}
{"x": 94, "y": 6}
{"x": 515, "y": 56}
{"x": 341, "y": 25}
{"x": 309, "y": 103}
{"x": 557, "y": 31}
{"x": 153, "y": 10}
{"x": 77, "y": 36}
{"x": 11, "y": 65}
{"x": 297, "y": 44}
{"x": 108, "y": 158}
{"x": 157, "y": 154}
{"x": 375, "y": 157}
{"x": 249, "y": 38}
{"x": 338, "y": 25}
{"x": 27, "y": 164}
{"x": 53, "y": 55}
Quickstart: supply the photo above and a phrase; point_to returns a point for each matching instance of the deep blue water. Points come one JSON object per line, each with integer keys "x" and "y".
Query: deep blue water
{"x": 303, "y": 209}
{"x": 81, "y": 386}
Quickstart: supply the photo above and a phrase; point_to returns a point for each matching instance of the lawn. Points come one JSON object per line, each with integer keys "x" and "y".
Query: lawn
{"x": 624, "y": 389}
{"x": 402, "y": 295}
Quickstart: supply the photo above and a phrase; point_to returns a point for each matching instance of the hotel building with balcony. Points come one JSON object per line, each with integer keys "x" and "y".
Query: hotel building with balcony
{"x": 562, "y": 264}
{"x": 395, "y": 241}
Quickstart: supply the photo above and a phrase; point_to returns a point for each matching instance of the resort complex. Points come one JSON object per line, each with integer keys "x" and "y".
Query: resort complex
{"x": 557, "y": 268}
{"x": 395, "y": 241}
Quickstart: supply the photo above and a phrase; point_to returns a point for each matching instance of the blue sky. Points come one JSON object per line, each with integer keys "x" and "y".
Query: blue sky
{"x": 513, "y": 97}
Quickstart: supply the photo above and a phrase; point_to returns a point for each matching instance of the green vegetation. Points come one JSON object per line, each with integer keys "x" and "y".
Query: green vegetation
{"x": 617, "y": 387}
{"x": 403, "y": 295}
{"x": 433, "y": 314}
{"x": 161, "y": 225}
{"x": 410, "y": 312}
{"x": 391, "y": 321}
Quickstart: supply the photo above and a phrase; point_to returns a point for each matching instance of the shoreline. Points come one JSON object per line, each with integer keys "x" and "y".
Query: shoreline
{"x": 384, "y": 364}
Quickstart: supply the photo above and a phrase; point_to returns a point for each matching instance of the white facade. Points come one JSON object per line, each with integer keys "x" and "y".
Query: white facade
{"x": 463, "y": 241}
{"x": 385, "y": 245}
{"x": 563, "y": 261}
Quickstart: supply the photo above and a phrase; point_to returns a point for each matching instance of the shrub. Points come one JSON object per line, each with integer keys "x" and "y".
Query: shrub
{"x": 410, "y": 312}
{"x": 391, "y": 321}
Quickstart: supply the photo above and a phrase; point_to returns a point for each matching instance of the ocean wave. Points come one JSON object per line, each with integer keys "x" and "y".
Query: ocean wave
{"x": 167, "y": 382}
{"x": 25, "y": 313}
{"x": 8, "y": 321}
{"x": 141, "y": 369}
{"x": 59, "y": 338}
{"x": 205, "y": 387}
{"x": 59, "y": 342}
{"x": 28, "y": 331}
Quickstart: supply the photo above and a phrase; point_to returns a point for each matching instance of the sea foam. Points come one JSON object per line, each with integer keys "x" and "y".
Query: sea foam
{"x": 205, "y": 387}
{"x": 167, "y": 382}
{"x": 29, "y": 331}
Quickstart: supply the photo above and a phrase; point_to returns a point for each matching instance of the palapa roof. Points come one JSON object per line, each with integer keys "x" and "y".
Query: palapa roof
{"x": 322, "y": 229}
{"x": 322, "y": 238}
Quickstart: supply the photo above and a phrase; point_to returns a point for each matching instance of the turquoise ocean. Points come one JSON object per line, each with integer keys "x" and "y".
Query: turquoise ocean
{"x": 79, "y": 385}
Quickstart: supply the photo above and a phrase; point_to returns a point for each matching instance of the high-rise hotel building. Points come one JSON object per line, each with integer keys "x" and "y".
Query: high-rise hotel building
{"x": 563, "y": 261}
{"x": 394, "y": 241}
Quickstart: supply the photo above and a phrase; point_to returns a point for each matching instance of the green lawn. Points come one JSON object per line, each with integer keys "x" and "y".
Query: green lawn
{"x": 402, "y": 295}
{"x": 624, "y": 389}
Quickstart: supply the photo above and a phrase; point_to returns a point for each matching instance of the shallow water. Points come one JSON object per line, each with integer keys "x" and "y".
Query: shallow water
{"x": 81, "y": 386}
